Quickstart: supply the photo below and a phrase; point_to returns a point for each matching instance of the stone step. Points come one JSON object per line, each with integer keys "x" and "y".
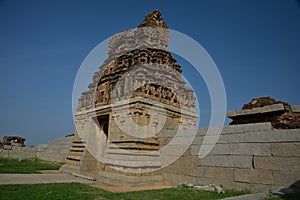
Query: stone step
{"x": 79, "y": 145}
{"x": 69, "y": 169}
{"x": 133, "y": 163}
{"x": 77, "y": 149}
{"x": 75, "y": 153}
{"x": 77, "y": 141}
{"x": 74, "y": 157}
{"x": 129, "y": 181}
{"x": 136, "y": 157}
{"x": 126, "y": 152}
{"x": 144, "y": 141}
{"x": 133, "y": 146}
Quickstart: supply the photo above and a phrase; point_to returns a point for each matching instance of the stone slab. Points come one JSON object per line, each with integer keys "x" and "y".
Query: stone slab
{"x": 234, "y": 161}
{"x": 291, "y": 135}
{"x": 278, "y": 163}
{"x": 284, "y": 178}
{"x": 232, "y": 129}
{"x": 254, "y": 111}
{"x": 253, "y": 176}
{"x": 295, "y": 108}
{"x": 286, "y": 149}
{"x": 257, "y": 149}
{"x": 215, "y": 172}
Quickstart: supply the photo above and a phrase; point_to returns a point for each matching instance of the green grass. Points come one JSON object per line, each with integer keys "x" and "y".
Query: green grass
{"x": 176, "y": 193}
{"x": 82, "y": 191}
{"x": 27, "y": 166}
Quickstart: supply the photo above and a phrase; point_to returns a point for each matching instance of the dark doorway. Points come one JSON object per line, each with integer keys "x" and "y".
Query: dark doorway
{"x": 103, "y": 121}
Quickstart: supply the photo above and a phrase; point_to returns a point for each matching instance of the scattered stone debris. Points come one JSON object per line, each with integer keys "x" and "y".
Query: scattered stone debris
{"x": 210, "y": 187}
{"x": 266, "y": 109}
{"x": 12, "y": 140}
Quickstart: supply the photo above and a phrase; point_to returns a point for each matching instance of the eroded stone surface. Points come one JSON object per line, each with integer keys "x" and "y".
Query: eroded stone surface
{"x": 267, "y": 109}
{"x": 15, "y": 140}
{"x": 138, "y": 93}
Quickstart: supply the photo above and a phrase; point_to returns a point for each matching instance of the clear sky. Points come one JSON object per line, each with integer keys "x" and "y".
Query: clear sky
{"x": 254, "y": 43}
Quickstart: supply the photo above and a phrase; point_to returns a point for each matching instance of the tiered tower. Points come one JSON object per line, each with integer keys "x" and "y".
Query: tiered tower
{"x": 137, "y": 94}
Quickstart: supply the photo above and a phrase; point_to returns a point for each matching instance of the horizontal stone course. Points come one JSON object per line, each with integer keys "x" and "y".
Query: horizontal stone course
{"x": 56, "y": 150}
{"x": 250, "y": 149}
{"x": 291, "y": 135}
{"x": 173, "y": 178}
{"x": 284, "y": 178}
{"x": 277, "y": 163}
{"x": 128, "y": 181}
{"x": 234, "y": 161}
{"x": 232, "y": 129}
{"x": 286, "y": 149}
{"x": 258, "y": 110}
{"x": 295, "y": 108}
{"x": 249, "y": 156}
{"x": 215, "y": 172}
{"x": 235, "y": 149}
{"x": 253, "y": 176}
{"x": 188, "y": 170}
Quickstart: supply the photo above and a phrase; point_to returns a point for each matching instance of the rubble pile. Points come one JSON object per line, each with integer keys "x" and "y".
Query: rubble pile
{"x": 267, "y": 109}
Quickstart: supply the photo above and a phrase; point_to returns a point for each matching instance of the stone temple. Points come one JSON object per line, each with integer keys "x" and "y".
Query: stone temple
{"x": 136, "y": 126}
{"x": 138, "y": 93}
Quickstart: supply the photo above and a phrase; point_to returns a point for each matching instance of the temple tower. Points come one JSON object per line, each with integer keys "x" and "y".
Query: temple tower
{"x": 137, "y": 94}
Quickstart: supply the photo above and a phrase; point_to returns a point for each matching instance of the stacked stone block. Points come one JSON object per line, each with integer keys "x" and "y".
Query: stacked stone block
{"x": 55, "y": 151}
{"x": 250, "y": 156}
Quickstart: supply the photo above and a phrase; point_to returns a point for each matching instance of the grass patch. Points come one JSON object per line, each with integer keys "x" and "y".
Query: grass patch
{"x": 82, "y": 191}
{"x": 26, "y": 166}
{"x": 177, "y": 193}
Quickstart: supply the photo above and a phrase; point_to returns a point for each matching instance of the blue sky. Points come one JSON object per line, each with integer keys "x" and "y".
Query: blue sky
{"x": 254, "y": 43}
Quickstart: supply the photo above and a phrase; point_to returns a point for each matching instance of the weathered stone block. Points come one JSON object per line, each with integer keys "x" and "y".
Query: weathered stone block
{"x": 284, "y": 178}
{"x": 175, "y": 179}
{"x": 187, "y": 160}
{"x": 250, "y": 149}
{"x": 201, "y": 132}
{"x": 235, "y": 161}
{"x": 253, "y": 176}
{"x": 210, "y": 139}
{"x": 295, "y": 108}
{"x": 188, "y": 170}
{"x": 223, "y": 149}
{"x": 234, "y": 149}
{"x": 174, "y": 149}
{"x": 260, "y": 187}
{"x": 278, "y": 163}
{"x": 231, "y": 138}
{"x": 241, "y": 128}
{"x": 197, "y": 140}
{"x": 215, "y": 172}
{"x": 292, "y": 135}
{"x": 257, "y": 110}
{"x": 285, "y": 149}
{"x": 219, "y": 148}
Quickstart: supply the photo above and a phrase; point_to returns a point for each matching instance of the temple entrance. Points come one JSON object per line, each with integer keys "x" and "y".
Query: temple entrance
{"x": 103, "y": 122}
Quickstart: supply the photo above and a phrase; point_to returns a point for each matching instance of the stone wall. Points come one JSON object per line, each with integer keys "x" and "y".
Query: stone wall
{"x": 56, "y": 150}
{"x": 250, "y": 156}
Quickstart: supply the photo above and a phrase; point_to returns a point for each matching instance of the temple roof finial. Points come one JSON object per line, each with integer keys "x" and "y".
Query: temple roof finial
{"x": 153, "y": 19}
